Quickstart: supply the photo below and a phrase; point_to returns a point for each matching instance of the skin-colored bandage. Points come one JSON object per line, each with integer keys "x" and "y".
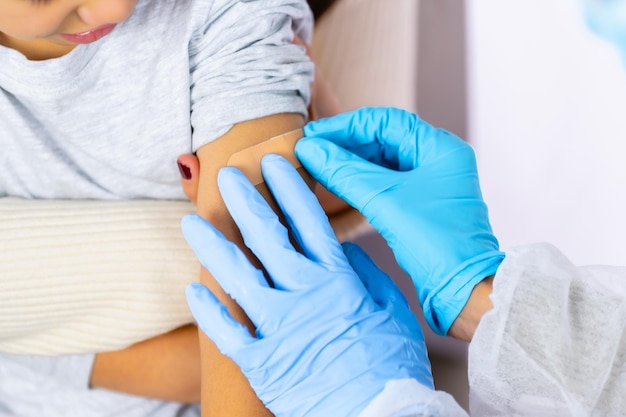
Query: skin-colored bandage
{"x": 249, "y": 160}
{"x": 348, "y": 224}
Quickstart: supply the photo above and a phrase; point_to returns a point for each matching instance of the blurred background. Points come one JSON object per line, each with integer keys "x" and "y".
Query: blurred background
{"x": 528, "y": 85}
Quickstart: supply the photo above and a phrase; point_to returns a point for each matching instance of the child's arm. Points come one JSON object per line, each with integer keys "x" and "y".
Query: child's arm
{"x": 225, "y": 391}
{"x": 249, "y": 83}
{"x": 166, "y": 367}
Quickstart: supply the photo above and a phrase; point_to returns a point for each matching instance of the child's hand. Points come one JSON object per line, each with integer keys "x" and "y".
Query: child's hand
{"x": 189, "y": 168}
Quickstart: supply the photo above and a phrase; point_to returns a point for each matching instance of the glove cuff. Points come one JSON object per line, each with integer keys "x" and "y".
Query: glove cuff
{"x": 443, "y": 304}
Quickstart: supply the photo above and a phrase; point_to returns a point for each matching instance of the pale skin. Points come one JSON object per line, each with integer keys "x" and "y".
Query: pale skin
{"x": 168, "y": 366}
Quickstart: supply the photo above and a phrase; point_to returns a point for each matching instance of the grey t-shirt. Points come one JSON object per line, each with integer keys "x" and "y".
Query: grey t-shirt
{"x": 108, "y": 120}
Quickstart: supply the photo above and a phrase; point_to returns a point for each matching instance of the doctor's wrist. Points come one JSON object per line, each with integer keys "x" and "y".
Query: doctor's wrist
{"x": 478, "y": 304}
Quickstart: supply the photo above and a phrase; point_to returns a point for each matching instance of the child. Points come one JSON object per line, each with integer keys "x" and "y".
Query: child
{"x": 97, "y": 97}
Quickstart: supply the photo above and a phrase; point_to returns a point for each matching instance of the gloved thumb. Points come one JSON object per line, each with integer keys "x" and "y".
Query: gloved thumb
{"x": 342, "y": 172}
{"x": 380, "y": 286}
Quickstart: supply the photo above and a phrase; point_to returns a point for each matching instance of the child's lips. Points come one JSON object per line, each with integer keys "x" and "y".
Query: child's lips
{"x": 88, "y": 36}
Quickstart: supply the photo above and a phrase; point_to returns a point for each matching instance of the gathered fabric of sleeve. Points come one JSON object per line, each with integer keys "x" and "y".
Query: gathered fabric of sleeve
{"x": 554, "y": 343}
{"x": 244, "y": 65}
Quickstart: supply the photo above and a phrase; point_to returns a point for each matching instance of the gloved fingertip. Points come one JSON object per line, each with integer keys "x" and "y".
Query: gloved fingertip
{"x": 195, "y": 286}
{"x": 352, "y": 250}
{"x": 309, "y": 128}
{"x": 348, "y": 247}
{"x": 359, "y": 260}
{"x": 190, "y": 223}
{"x": 272, "y": 158}
{"x": 188, "y": 219}
{"x": 214, "y": 319}
{"x": 199, "y": 299}
{"x": 228, "y": 175}
{"x": 304, "y": 143}
{"x": 275, "y": 168}
{"x": 273, "y": 162}
{"x": 196, "y": 291}
{"x": 309, "y": 151}
{"x": 380, "y": 286}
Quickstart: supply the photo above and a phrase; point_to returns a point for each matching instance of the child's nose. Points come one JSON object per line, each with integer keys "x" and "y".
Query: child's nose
{"x": 101, "y": 12}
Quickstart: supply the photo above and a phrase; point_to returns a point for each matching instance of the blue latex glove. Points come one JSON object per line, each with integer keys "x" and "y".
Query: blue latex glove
{"x": 327, "y": 339}
{"x": 608, "y": 19}
{"x": 420, "y": 191}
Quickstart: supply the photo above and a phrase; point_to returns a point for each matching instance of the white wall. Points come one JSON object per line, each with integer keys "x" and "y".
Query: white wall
{"x": 441, "y": 90}
{"x": 547, "y": 116}
{"x": 367, "y": 50}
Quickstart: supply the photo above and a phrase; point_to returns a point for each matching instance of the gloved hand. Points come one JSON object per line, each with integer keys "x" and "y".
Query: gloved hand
{"x": 420, "y": 190}
{"x": 608, "y": 19}
{"x": 328, "y": 338}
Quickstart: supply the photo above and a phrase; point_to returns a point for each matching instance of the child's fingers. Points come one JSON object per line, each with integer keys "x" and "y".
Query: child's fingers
{"x": 189, "y": 168}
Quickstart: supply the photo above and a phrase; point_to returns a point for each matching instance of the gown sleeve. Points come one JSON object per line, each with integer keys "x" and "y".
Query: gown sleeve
{"x": 554, "y": 344}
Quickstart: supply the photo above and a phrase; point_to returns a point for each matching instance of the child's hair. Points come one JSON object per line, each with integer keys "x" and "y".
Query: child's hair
{"x": 320, "y": 6}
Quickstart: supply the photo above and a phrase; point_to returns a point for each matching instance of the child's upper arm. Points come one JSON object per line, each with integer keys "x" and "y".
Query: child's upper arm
{"x": 226, "y": 392}
{"x": 244, "y": 65}
{"x": 215, "y": 155}
{"x": 248, "y": 83}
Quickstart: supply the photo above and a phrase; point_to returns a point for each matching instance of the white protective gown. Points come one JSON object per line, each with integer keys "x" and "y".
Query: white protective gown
{"x": 553, "y": 345}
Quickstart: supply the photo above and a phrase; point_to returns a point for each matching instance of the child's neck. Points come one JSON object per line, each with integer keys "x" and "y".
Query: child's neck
{"x": 35, "y": 50}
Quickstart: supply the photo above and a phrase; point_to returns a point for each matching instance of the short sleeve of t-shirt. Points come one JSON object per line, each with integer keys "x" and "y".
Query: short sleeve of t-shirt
{"x": 243, "y": 64}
